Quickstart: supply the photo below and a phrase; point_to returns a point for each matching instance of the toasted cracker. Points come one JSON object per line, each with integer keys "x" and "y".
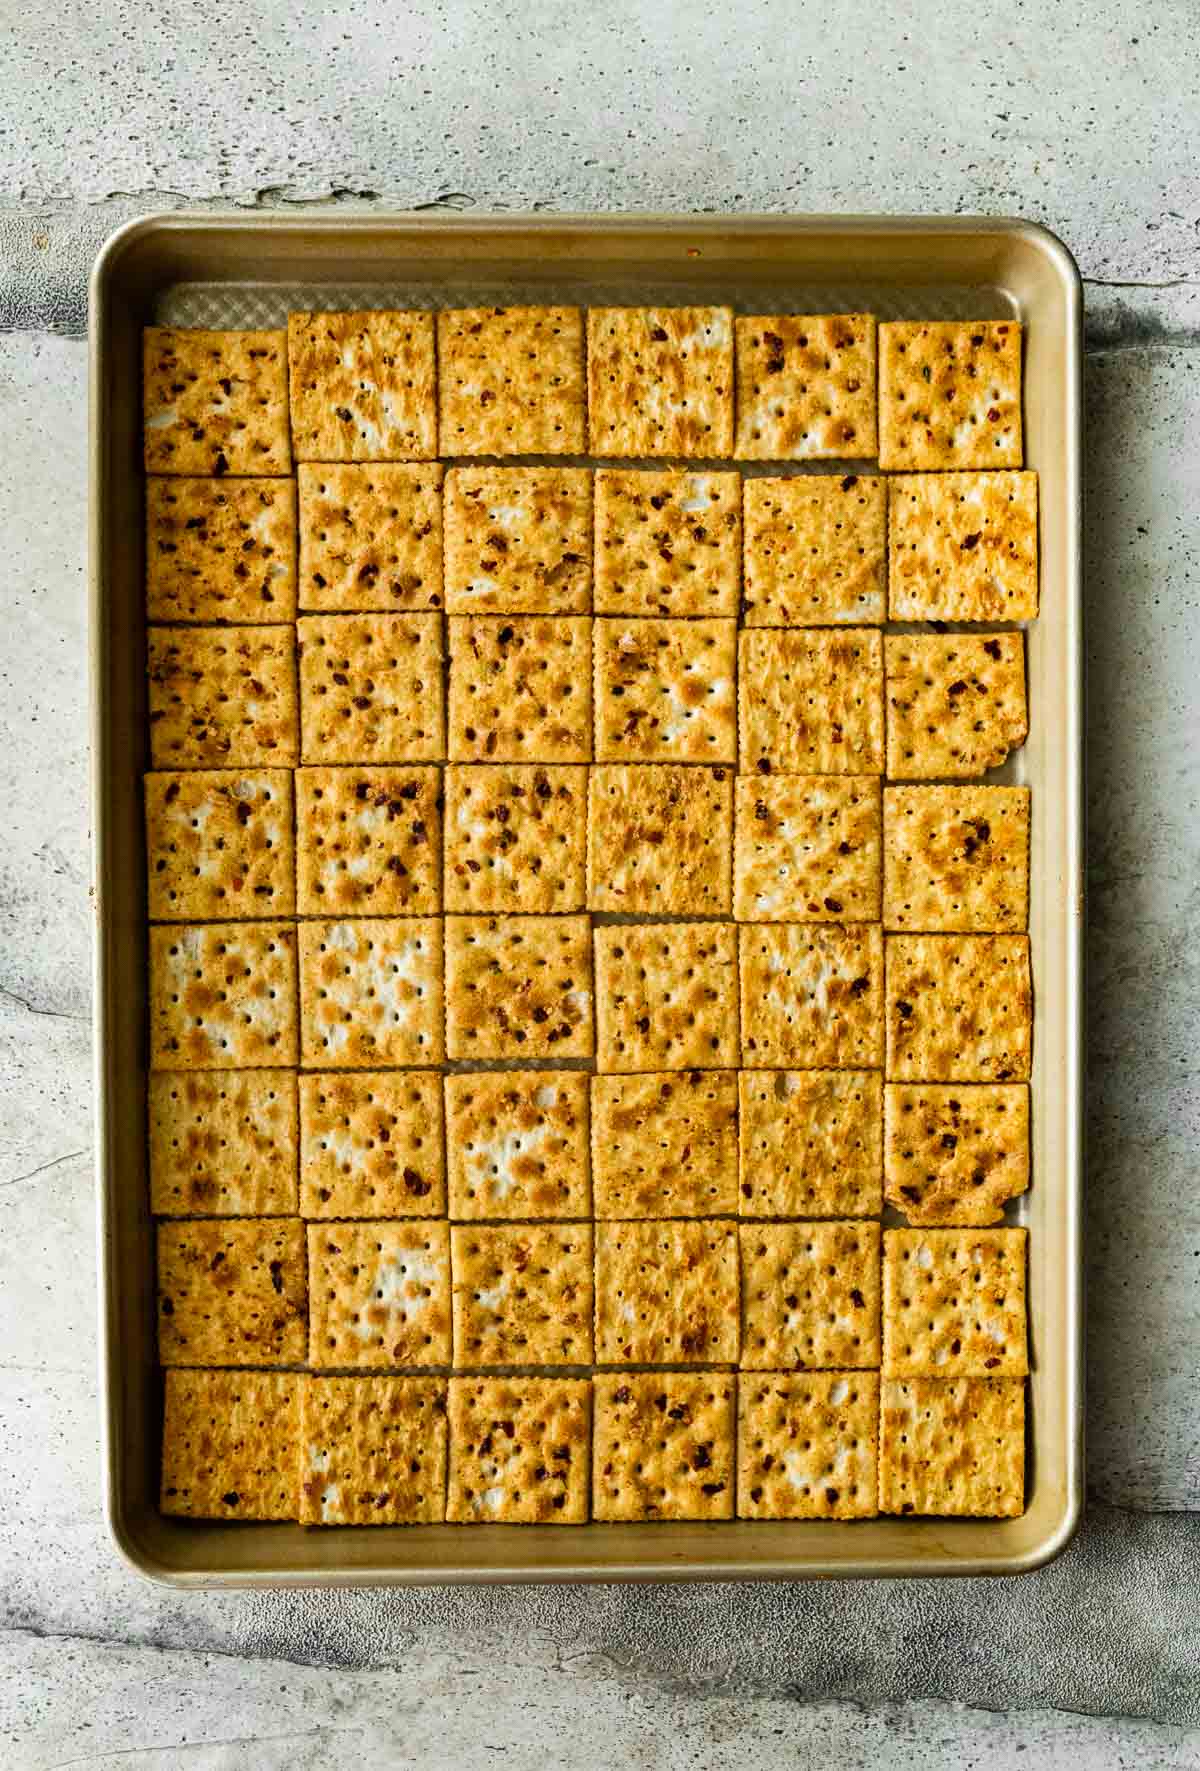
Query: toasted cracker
{"x": 810, "y": 1296}
{"x": 666, "y": 997}
{"x": 959, "y": 1008}
{"x": 517, "y": 1144}
{"x": 954, "y": 1303}
{"x": 219, "y": 844}
{"x": 231, "y": 1444}
{"x": 371, "y": 688}
{"x": 510, "y": 381}
{"x": 666, "y": 691}
{"x": 963, "y": 547}
{"x": 215, "y": 402}
{"x": 223, "y": 1145}
{"x": 667, "y": 1292}
{"x": 663, "y": 1445}
{"x": 810, "y": 702}
{"x": 371, "y": 1145}
{"x": 805, "y": 386}
{"x": 519, "y": 1450}
{"x": 369, "y": 841}
{"x": 811, "y": 1143}
{"x": 516, "y": 837}
{"x": 949, "y": 394}
{"x": 371, "y": 537}
{"x": 808, "y": 849}
{"x": 223, "y": 996}
{"x": 362, "y": 386}
{"x": 379, "y": 1294}
{"x": 816, "y": 546}
{"x": 808, "y": 1446}
{"x": 955, "y": 702}
{"x": 660, "y": 381}
{"x": 231, "y": 1291}
{"x": 954, "y": 1153}
{"x": 956, "y": 859}
{"x": 668, "y": 541}
{"x": 952, "y": 1447}
{"x": 371, "y": 992}
{"x": 519, "y": 540}
{"x": 220, "y": 550}
{"x": 522, "y": 1294}
{"x": 520, "y": 688}
{"x": 660, "y": 839}
{"x": 665, "y": 1145}
{"x": 222, "y": 697}
{"x": 518, "y": 987}
{"x": 372, "y": 1450}
{"x": 811, "y": 997}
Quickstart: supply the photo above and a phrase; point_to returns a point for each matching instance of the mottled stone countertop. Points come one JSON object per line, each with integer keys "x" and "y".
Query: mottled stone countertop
{"x": 1082, "y": 117}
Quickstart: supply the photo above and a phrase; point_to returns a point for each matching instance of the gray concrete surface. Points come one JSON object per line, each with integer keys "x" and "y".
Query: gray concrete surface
{"x": 1081, "y": 117}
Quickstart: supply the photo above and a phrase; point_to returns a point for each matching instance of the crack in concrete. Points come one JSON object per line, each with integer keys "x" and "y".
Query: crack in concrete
{"x": 55, "y": 1162}
{"x": 31, "y": 1008}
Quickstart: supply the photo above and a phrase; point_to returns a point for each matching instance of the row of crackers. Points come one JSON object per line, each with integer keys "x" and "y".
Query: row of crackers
{"x": 558, "y": 1450}
{"x": 627, "y": 382}
{"x": 806, "y": 551}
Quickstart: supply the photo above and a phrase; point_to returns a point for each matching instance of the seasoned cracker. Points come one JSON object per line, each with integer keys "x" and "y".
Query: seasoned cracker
{"x": 811, "y": 1143}
{"x": 808, "y": 1446}
{"x": 223, "y": 1145}
{"x": 371, "y": 536}
{"x": 231, "y": 1291}
{"x": 816, "y": 549}
{"x": 362, "y": 386}
{"x": 371, "y": 688}
{"x": 518, "y": 987}
{"x": 372, "y": 1450}
{"x": 222, "y": 697}
{"x": 519, "y": 540}
{"x": 219, "y": 844}
{"x": 805, "y": 386}
{"x": 807, "y": 849}
{"x": 520, "y": 688}
{"x": 955, "y": 702}
{"x": 223, "y": 996}
{"x": 666, "y": 997}
{"x": 510, "y": 381}
{"x": 379, "y": 1294}
{"x": 956, "y": 859}
{"x": 666, "y": 1293}
{"x": 519, "y": 1450}
{"x": 810, "y": 701}
{"x": 954, "y": 1303}
{"x": 963, "y": 547}
{"x": 665, "y": 1145}
{"x": 660, "y": 839}
{"x": 949, "y": 394}
{"x": 811, "y": 996}
{"x": 952, "y": 1447}
{"x": 666, "y": 691}
{"x": 663, "y": 1445}
{"x": 371, "y": 992}
{"x": 959, "y": 1008}
{"x": 231, "y": 1445}
{"x": 810, "y": 1296}
{"x": 215, "y": 402}
{"x": 516, "y": 837}
{"x": 220, "y": 550}
{"x": 517, "y": 1144}
{"x": 668, "y": 541}
{"x": 522, "y": 1294}
{"x": 660, "y": 381}
{"x": 369, "y": 841}
{"x": 955, "y": 1154}
{"x": 371, "y": 1145}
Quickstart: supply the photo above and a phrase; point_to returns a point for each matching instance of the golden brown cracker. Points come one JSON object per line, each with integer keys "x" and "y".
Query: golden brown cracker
{"x": 808, "y": 1445}
{"x": 665, "y": 691}
{"x": 220, "y": 550}
{"x": 519, "y": 1450}
{"x": 510, "y": 381}
{"x": 370, "y": 536}
{"x": 949, "y": 394}
{"x": 665, "y": 1145}
{"x": 811, "y": 1143}
{"x": 223, "y": 996}
{"x": 956, "y": 859}
{"x": 660, "y": 381}
{"x": 668, "y": 541}
{"x": 522, "y": 1294}
{"x": 518, "y": 987}
{"x": 516, "y": 837}
{"x": 362, "y": 386}
{"x": 369, "y": 841}
{"x": 219, "y": 844}
{"x": 663, "y": 1445}
{"x": 959, "y": 1008}
{"x": 805, "y": 386}
{"x": 812, "y": 997}
{"x": 372, "y": 1450}
{"x": 954, "y": 1303}
{"x": 379, "y": 1294}
{"x": 371, "y": 688}
{"x": 520, "y": 688}
{"x": 660, "y": 839}
{"x": 371, "y": 1145}
{"x": 519, "y": 540}
{"x": 222, "y": 697}
{"x": 371, "y": 992}
{"x": 963, "y": 547}
{"x": 810, "y": 701}
{"x": 215, "y": 402}
{"x": 816, "y": 550}
{"x": 666, "y": 1292}
{"x": 808, "y": 849}
{"x": 517, "y": 1144}
{"x": 666, "y": 997}
{"x": 955, "y": 1153}
{"x": 222, "y": 1144}
{"x": 955, "y": 703}
{"x": 231, "y": 1445}
{"x": 952, "y": 1446}
{"x": 231, "y": 1291}
{"x": 810, "y": 1296}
